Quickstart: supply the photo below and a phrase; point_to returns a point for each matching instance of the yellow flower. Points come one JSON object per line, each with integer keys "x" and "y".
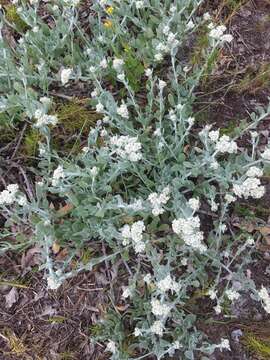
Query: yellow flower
{"x": 127, "y": 48}
{"x": 108, "y": 24}
{"x": 109, "y": 10}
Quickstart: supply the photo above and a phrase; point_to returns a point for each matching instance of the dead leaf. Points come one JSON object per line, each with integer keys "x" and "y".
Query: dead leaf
{"x": 11, "y": 297}
{"x": 64, "y": 210}
{"x": 30, "y": 259}
{"x": 55, "y": 248}
{"x": 265, "y": 231}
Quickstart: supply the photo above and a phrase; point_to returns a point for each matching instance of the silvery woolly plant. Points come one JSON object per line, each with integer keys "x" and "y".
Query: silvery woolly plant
{"x": 147, "y": 176}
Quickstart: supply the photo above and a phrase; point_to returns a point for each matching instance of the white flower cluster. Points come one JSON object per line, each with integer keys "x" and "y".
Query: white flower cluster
{"x": 57, "y": 175}
{"x": 168, "y": 284}
{"x": 53, "y": 283}
{"x": 217, "y": 33}
{"x": 126, "y": 293}
{"x": 164, "y": 47}
{"x": 122, "y": 110}
{"x": 127, "y": 147}
{"x": 264, "y": 296}
{"x": 65, "y": 75}
{"x": 118, "y": 64}
{"x": 224, "y": 144}
{"x": 158, "y": 200}
{"x": 224, "y": 344}
{"x": 194, "y": 204}
{"x": 8, "y": 196}
{"x": 189, "y": 231}
{"x": 159, "y": 309}
{"x": 134, "y": 233}
{"x": 111, "y": 347}
{"x": 71, "y": 2}
{"x": 266, "y": 154}
{"x": 251, "y": 186}
{"x": 44, "y": 119}
{"x": 232, "y": 294}
{"x": 157, "y": 328}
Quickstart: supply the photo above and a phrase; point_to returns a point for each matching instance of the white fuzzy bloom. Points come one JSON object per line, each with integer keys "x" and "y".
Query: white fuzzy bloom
{"x": 126, "y": 293}
{"x": 118, "y": 64}
{"x": 229, "y": 198}
{"x": 194, "y": 204}
{"x": 127, "y": 147}
{"x": 53, "y": 283}
{"x": 148, "y": 72}
{"x": 254, "y": 135}
{"x": 254, "y": 171}
{"x": 139, "y": 4}
{"x": 44, "y": 119}
{"x": 226, "y": 145}
{"x": 65, "y": 75}
{"x": 35, "y": 29}
{"x": 250, "y": 187}
{"x": 137, "y": 332}
{"x": 134, "y": 233}
{"x": 166, "y": 30}
{"x": 212, "y": 294}
{"x": 214, "y": 165}
{"x": 157, "y": 328}
{"x": 190, "y": 121}
{"x": 168, "y": 284}
{"x": 158, "y": 200}
{"x": 111, "y": 347}
{"x": 158, "y": 56}
{"x": 22, "y": 200}
{"x": 8, "y": 196}
{"x": 224, "y": 344}
{"x": 121, "y": 77}
{"x": 71, "y": 2}
{"x": 184, "y": 261}
{"x": 161, "y": 84}
{"x": 190, "y": 25}
{"x": 99, "y": 108}
{"x": 227, "y": 38}
{"x": 213, "y": 135}
{"x": 122, "y": 110}
{"x": 159, "y": 309}
{"x": 218, "y": 309}
{"x": 147, "y": 279}
{"x": 264, "y": 296}
{"x": 266, "y": 154}
{"x": 103, "y": 63}
{"x": 94, "y": 171}
{"x": 250, "y": 241}
{"x": 172, "y": 41}
{"x": 206, "y": 16}
{"x": 173, "y": 9}
{"x": 217, "y": 33}
{"x": 45, "y": 100}
{"x": 189, "y": 231}
{"x": 57, "y": 175}
{"x": 232, "y": 294}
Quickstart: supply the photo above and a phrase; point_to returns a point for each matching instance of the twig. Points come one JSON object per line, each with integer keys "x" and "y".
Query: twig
{"x": 19, "y": 141}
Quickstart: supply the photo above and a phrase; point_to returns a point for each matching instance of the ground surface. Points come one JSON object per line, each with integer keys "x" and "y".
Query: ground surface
{"x": 40, "y": 324}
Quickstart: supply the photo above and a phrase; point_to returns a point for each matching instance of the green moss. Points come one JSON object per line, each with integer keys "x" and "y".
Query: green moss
{"x": 30, "y": 145}
{"x": 14, "y": 18}
{"x": 257, "y": 346}
{"x": 76, "y": 116}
